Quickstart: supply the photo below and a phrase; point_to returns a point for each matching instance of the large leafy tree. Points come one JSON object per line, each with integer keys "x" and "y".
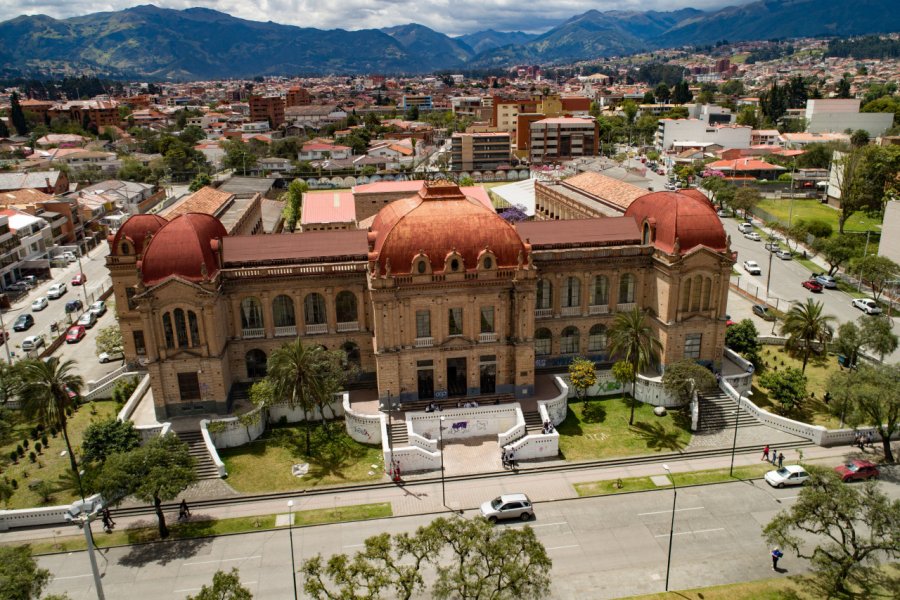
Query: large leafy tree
{"x": 156, "y": 472}
{"x": 743, "y": 338}
{"x": 849, "y": 342}
{"x": 109, "y": 340}
{"x": 293, "y": 201}
{"x": 838, "y": 250}
{"x": 745, "y": 200}
{"x": 225, "y": 586}
{"x": 684, "y": 377}
{"x": 876, "y": 271}
{"x": 843, "y": 530}
{"x": 878, "y": 336}
{"x": 787, "y": 386}
{"x": 869, "y": 395}
{"x": 805, "y": 325}
{"x": 583, "y": 375}
{"x": 104, "y": 438}
{"x": 20, "y": 577}
{"x": 633, "y": 341}
{"x": 48, "y": 390}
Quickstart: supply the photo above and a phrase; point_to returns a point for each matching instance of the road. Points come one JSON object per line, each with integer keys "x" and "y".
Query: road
{"x": 601, "y": 547}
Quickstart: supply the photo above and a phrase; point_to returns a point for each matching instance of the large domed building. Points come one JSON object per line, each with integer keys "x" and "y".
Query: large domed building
{"x": 439, "y": 297}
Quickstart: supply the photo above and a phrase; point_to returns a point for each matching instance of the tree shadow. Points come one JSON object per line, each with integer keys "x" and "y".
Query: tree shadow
{"x": 593, "y": 412}
{"x": 163, "y": 553}
{"x": 657, "y": 437}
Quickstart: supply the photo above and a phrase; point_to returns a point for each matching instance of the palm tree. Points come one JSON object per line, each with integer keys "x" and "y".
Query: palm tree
{"x": 805, "y": 324}
{"x": 48, "y": 388}
{"x": 632, "y": 339}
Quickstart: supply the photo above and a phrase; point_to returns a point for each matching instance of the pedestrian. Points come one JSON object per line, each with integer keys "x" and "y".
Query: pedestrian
{"x": 183, "y": 511}
{"x": 774, "y": 455}
{"x": 504, "y": 457}
{"x": 827, "y": 398}
{"x": 776, "y": 554}
{"x": 512, "y": 459}
{"x": 765, "y": 455}
{"x": 781, "y": 460}
{"x": 870, "y": 440}
{"x": 862, "y": 442}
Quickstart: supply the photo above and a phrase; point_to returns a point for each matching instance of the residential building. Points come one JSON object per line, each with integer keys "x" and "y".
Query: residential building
{"x": 267, "y": 108}
{"x": 563, "y": 138}
{"x": 320, "y": 150}
{"x": 479, "y": 151}
{"x": 49, "y": 182}
{"x": 588, "y": 195}
{"x": 95, "y": 114}
{"x": 841, "y": 114}
{"x": 747, "y": 168}
{"x": 297, "y": 96}
{"x": 693, "y": 133}
{"x": 420, "y": 101}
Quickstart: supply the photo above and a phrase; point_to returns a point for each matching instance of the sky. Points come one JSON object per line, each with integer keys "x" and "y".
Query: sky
{"x": 453, "y": 17}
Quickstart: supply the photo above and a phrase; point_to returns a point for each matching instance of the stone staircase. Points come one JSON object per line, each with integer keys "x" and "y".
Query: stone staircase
{"x": 399, "y": 434}
{"x": 205, "y": 468}
{"x": 717, "y": 413}
{"x": 533, "y": 423}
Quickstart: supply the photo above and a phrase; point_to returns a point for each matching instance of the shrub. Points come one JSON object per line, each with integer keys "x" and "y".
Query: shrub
{"x": 32, "y": 456}
{"x": 34, "y": 433}
{"x": 38, "y": 447}
{"x": 14, "y": 484}
{"x": 20, "y": 450}
{"x": 14, "y": 456}
{"x": 44, "y": 441}
{"x": 25, "y": 443}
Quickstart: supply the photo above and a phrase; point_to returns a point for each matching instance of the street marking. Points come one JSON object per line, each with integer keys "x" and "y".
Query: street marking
{"x": 561, "y": 547}
{"x": 691, "y": 532}
{"x": 209, "y": 562}
{"x": 72, "y": 577}
{"x": 789, "y": 498}
{"x": 667, "y": 512}
{"x": 549, "y": 524}
{"x": 355, "y": 546}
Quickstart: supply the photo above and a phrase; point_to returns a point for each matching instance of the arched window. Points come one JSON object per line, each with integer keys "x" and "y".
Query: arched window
{"x": 601, "y": 291}
{"x": 255, "y": 361}
{"x": 571, "y": 293}
{"x": 194, "y": 328}
{"x": 314, "y": 309}
{"x": 542, "y": 341}
{"x": 283, "y": 311}
{"x": 626, "y": 289}
{"x": 696, "y": 290}
{"x": 597, "y": 339}
{"x": 251, "y": 313}
{"x": 707, "y": 292}
{"x": 168, "y": 331}
{"x": 569, "y": 342}
{"x": 345, "y": 304}
{"x": 544, "y": 294}
{"x": 351, "y": 350}
{"x": 686, "y": 294}
{"x": 645, "y": 238}
{"x": 181, "y": 328}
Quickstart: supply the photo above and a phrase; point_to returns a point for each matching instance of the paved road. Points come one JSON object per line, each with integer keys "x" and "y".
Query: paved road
{"x": 604, "y": 547}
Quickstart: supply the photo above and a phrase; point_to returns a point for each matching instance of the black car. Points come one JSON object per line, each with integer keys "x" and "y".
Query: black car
{"x": 74, "y": 306}
{"x": 23, "y": 323}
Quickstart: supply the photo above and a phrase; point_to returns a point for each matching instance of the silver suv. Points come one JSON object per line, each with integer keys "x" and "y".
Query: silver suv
{"x": 508, "y": 506}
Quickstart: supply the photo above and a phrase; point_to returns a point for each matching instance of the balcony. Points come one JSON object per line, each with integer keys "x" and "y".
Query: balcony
{"x": 287, "y": 330}
{"x": 598, "y": 309}
{"x": 625, "y": 307}
{"x": 348, "y": 326}
{"x": 317, "y": 329}
{"x": 543, "y": 313}
{"x": 425, "y": 342}
{"x": 571, "y": 311}
{"x": 256, "y": 332}
{"x": 485, "y": 338}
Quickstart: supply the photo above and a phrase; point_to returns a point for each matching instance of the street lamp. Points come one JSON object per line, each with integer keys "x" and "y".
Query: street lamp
{"x": 83, "y": 280}
{"x": 672, "y": 526}
{"x": 82, "y": 513}
{"x": 443, "y": 487}
{"x": 291, "y": 536}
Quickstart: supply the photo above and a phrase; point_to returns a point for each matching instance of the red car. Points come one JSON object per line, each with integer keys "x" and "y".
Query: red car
{"x": 74, "y": 334}
{"x": 79, "y": 279}
{"x": 857, "y": 470}
{"x": 813, "y": 286}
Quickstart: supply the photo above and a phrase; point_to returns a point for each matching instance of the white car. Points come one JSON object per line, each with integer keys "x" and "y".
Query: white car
{"x": 40, "y": 303}
{"x": 88, "y": 319}
{"x": 98, "y": 308}
{"x": 753, "y": 236}
{"x": 56, "y": 291}
{"x": 752, "y": 267}
{"x": 787, "y": 475}
{"x": 745, "y": 227}
{"x": 32, "y": 342}
{"x": 508, "y": 506}
{"x": 867, "y": 305}
{"x": 105, "y": 357}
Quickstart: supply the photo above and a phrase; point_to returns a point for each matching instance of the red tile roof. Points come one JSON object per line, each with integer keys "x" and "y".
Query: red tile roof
{"x": 609, "y": 231}
{"x": 244, "y": 250}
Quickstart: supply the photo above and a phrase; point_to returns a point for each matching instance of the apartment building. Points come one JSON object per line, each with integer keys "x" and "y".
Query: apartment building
{"x": 421, "y": 102}
{"x": 841, "y": 114}
{"x": 297, "y": 96}
{"x": 479, "y": 151}
{"x": 267, "y": 108}
{"x": 563, "y": 138}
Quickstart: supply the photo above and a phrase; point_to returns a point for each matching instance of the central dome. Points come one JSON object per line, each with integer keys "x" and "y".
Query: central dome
{"x": 679, "y": 221}
{"x": 437, "y": 222}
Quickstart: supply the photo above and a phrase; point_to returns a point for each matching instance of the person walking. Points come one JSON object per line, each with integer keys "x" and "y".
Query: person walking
{"x": 776, "y": 554}
{"x": 183, "y": 511}
{"x": 765, "y": 455}
{"x": 774, "y": 455}
{"x": 781, "y": 460}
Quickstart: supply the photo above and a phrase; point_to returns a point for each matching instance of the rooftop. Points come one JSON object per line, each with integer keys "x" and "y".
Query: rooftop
{"x": 567, "y": 233}
{"x": 246, "y": 250}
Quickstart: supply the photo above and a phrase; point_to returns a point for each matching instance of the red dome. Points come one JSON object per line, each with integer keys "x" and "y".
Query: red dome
{"x": 695, "y": 193}
{"x": 183, "y": 248}
{"x": 677, "y": 215}
{"x": 438, "y": 221}
{"x": 135, "y": 230}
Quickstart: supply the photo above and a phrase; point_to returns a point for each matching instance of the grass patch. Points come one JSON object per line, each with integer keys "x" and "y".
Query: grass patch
{"x": 637, "y": 484}
{"x": 814, "y": 210}
{"x": 335, "y": 458}
{"x": 813, "y": 410}
{"x": 357, "y": 512}
{"x": 599, "y": 429}
{"x": 614, "y": 486}
{"x": 49, "y": 464}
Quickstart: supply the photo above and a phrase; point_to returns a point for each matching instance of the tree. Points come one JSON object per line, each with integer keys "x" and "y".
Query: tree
{"x": 743, "y": 338}
{"x": 630, "y": 110}
{"x": 132, "y": 170}
{"x": 6, "y": 492}
{"x": 859, "y": 138}
{"x": 748, "y": 116}
{"x": 17, "y": 115}
{"x": 583, "y": 376}
{"x": 869, "y": 395}
{"x": 847, "y": 168}
{"x": 412, "y": 113}
{"x": 293, "y": 203}
{"x": 225, "y": 586}
{"x": 838, "y": 250}
{"x": 483, "y": 562}
{"x": 20, "y": 577}
{"x": 514, "y": 214}
{"x": 878, "y": 337}
{"x": 104, "y": 438}
{"x": 745, "y": 200}
{"x": 851, "y": 527}
{"x": 632, "y": 339}
{"x": 806, "y": 325}
{"x": 48, "y": 389}
{"x": 684, "y": 377}
{"x": 155, "y": 472}
{"x": 201, "y": 180}
{"x": 662, "y": 92}
{"x": 842, "y": 90}
{"x": 109, "y": 340}
{"x": 4, "y": 130}
{"x": 876, "y": 271}
{"x": 681, "y": 94}
{"x": 817, "y": 228}
{"x": 848, "y": 342}
{"x": 732, "y": 87}
{"x": 238, "y": 156}
{"x": 787, "y": 386}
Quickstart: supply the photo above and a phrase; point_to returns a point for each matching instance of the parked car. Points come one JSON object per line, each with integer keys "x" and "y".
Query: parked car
{"x": 787, "y": 475}
{"x": 30, "y": 280}
{"x": 79, "y": 279}
{"x": 32, "y": 342}
{"x": 56, "y": 291}
{"x": 40, "y": 303}
{"x": 88, "y": 319}
{"x": 772, "y": 246}
{"x": 753, "y": 236}
{"x": 857, "y": 470}
{"x": 723, "y": 213}
{"x": 75, "y": 333}
{"x": 867, "y": 305}
{"x": 763, "y": 311}
{"x": 813, "y": 286}
{"x": 98, "y": 308}
{"x": 784, "y": 255}
{"x": 745, "y": 227}
{"x": 752, "y": 267}
{"x": 827, "y": 281}
{"x": 19, "y": 286}
{"x": 23, "y": 322}
{"x": 73, "y": 306}
{"x": 105, "y": 357}
{"x": 508, "y": 506}
{"x": 69, "y": 257}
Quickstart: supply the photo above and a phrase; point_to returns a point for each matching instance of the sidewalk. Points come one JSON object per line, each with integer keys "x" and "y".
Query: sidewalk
{"x": 414, "y": 498}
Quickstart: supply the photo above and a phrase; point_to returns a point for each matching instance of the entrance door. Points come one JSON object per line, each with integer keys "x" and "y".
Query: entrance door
{"x": 488, "y": 372}
{"x": 456, "y": 377}
{"x": 426, "y": 383}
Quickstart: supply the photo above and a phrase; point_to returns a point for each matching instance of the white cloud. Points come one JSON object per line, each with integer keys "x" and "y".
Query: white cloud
{"x": 453, "y": 17}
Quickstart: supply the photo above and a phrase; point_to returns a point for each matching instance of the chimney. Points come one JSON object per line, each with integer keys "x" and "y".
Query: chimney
{"x": 50, "y": 190}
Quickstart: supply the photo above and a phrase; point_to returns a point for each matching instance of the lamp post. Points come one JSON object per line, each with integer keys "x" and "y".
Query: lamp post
{"x": 82, "y": 514}
{"x": 291, "y": 536}
{"x": 443, "y": 486}
{"x": 83, "y": 281}
{"x": 737, "y": 414}
{"x": 672, "y": 526}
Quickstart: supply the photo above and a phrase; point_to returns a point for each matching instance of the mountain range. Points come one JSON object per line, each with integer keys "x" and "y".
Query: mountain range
{"x": 199, "y": 43}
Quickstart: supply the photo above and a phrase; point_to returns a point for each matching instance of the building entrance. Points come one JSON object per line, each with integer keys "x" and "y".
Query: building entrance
{"x": 456, "y": 377}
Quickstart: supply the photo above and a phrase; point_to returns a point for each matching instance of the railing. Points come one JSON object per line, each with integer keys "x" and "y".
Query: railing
{"x": 426, "y": 342}
{"x": 211, "y": 448}
{"x": 571, "y": 311}
{"x": 92, "y": 385}
{"x": 626, "y": 307}
{"x": 317, "y": 328}
{"x": 484, "y": 338}
{"x": 348, "y": 326}
{"x": 543, "y": 313}
{"x": 358, "y": 267}
{"x": 286, "y": 330}
{"x": 256, "y": 332}
{"x": 598, "y": 309}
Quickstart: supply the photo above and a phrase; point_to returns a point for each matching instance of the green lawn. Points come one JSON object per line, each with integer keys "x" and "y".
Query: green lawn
{"x": 265, "y": 464}
{"x": 356, "y": 512}
{"x": 600, "y": 430}
{"x": 815, "y": 210}
{"x": 50, "y": 463}
{"x": 818, "y": 370}
{"x": 636, "y": 484}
